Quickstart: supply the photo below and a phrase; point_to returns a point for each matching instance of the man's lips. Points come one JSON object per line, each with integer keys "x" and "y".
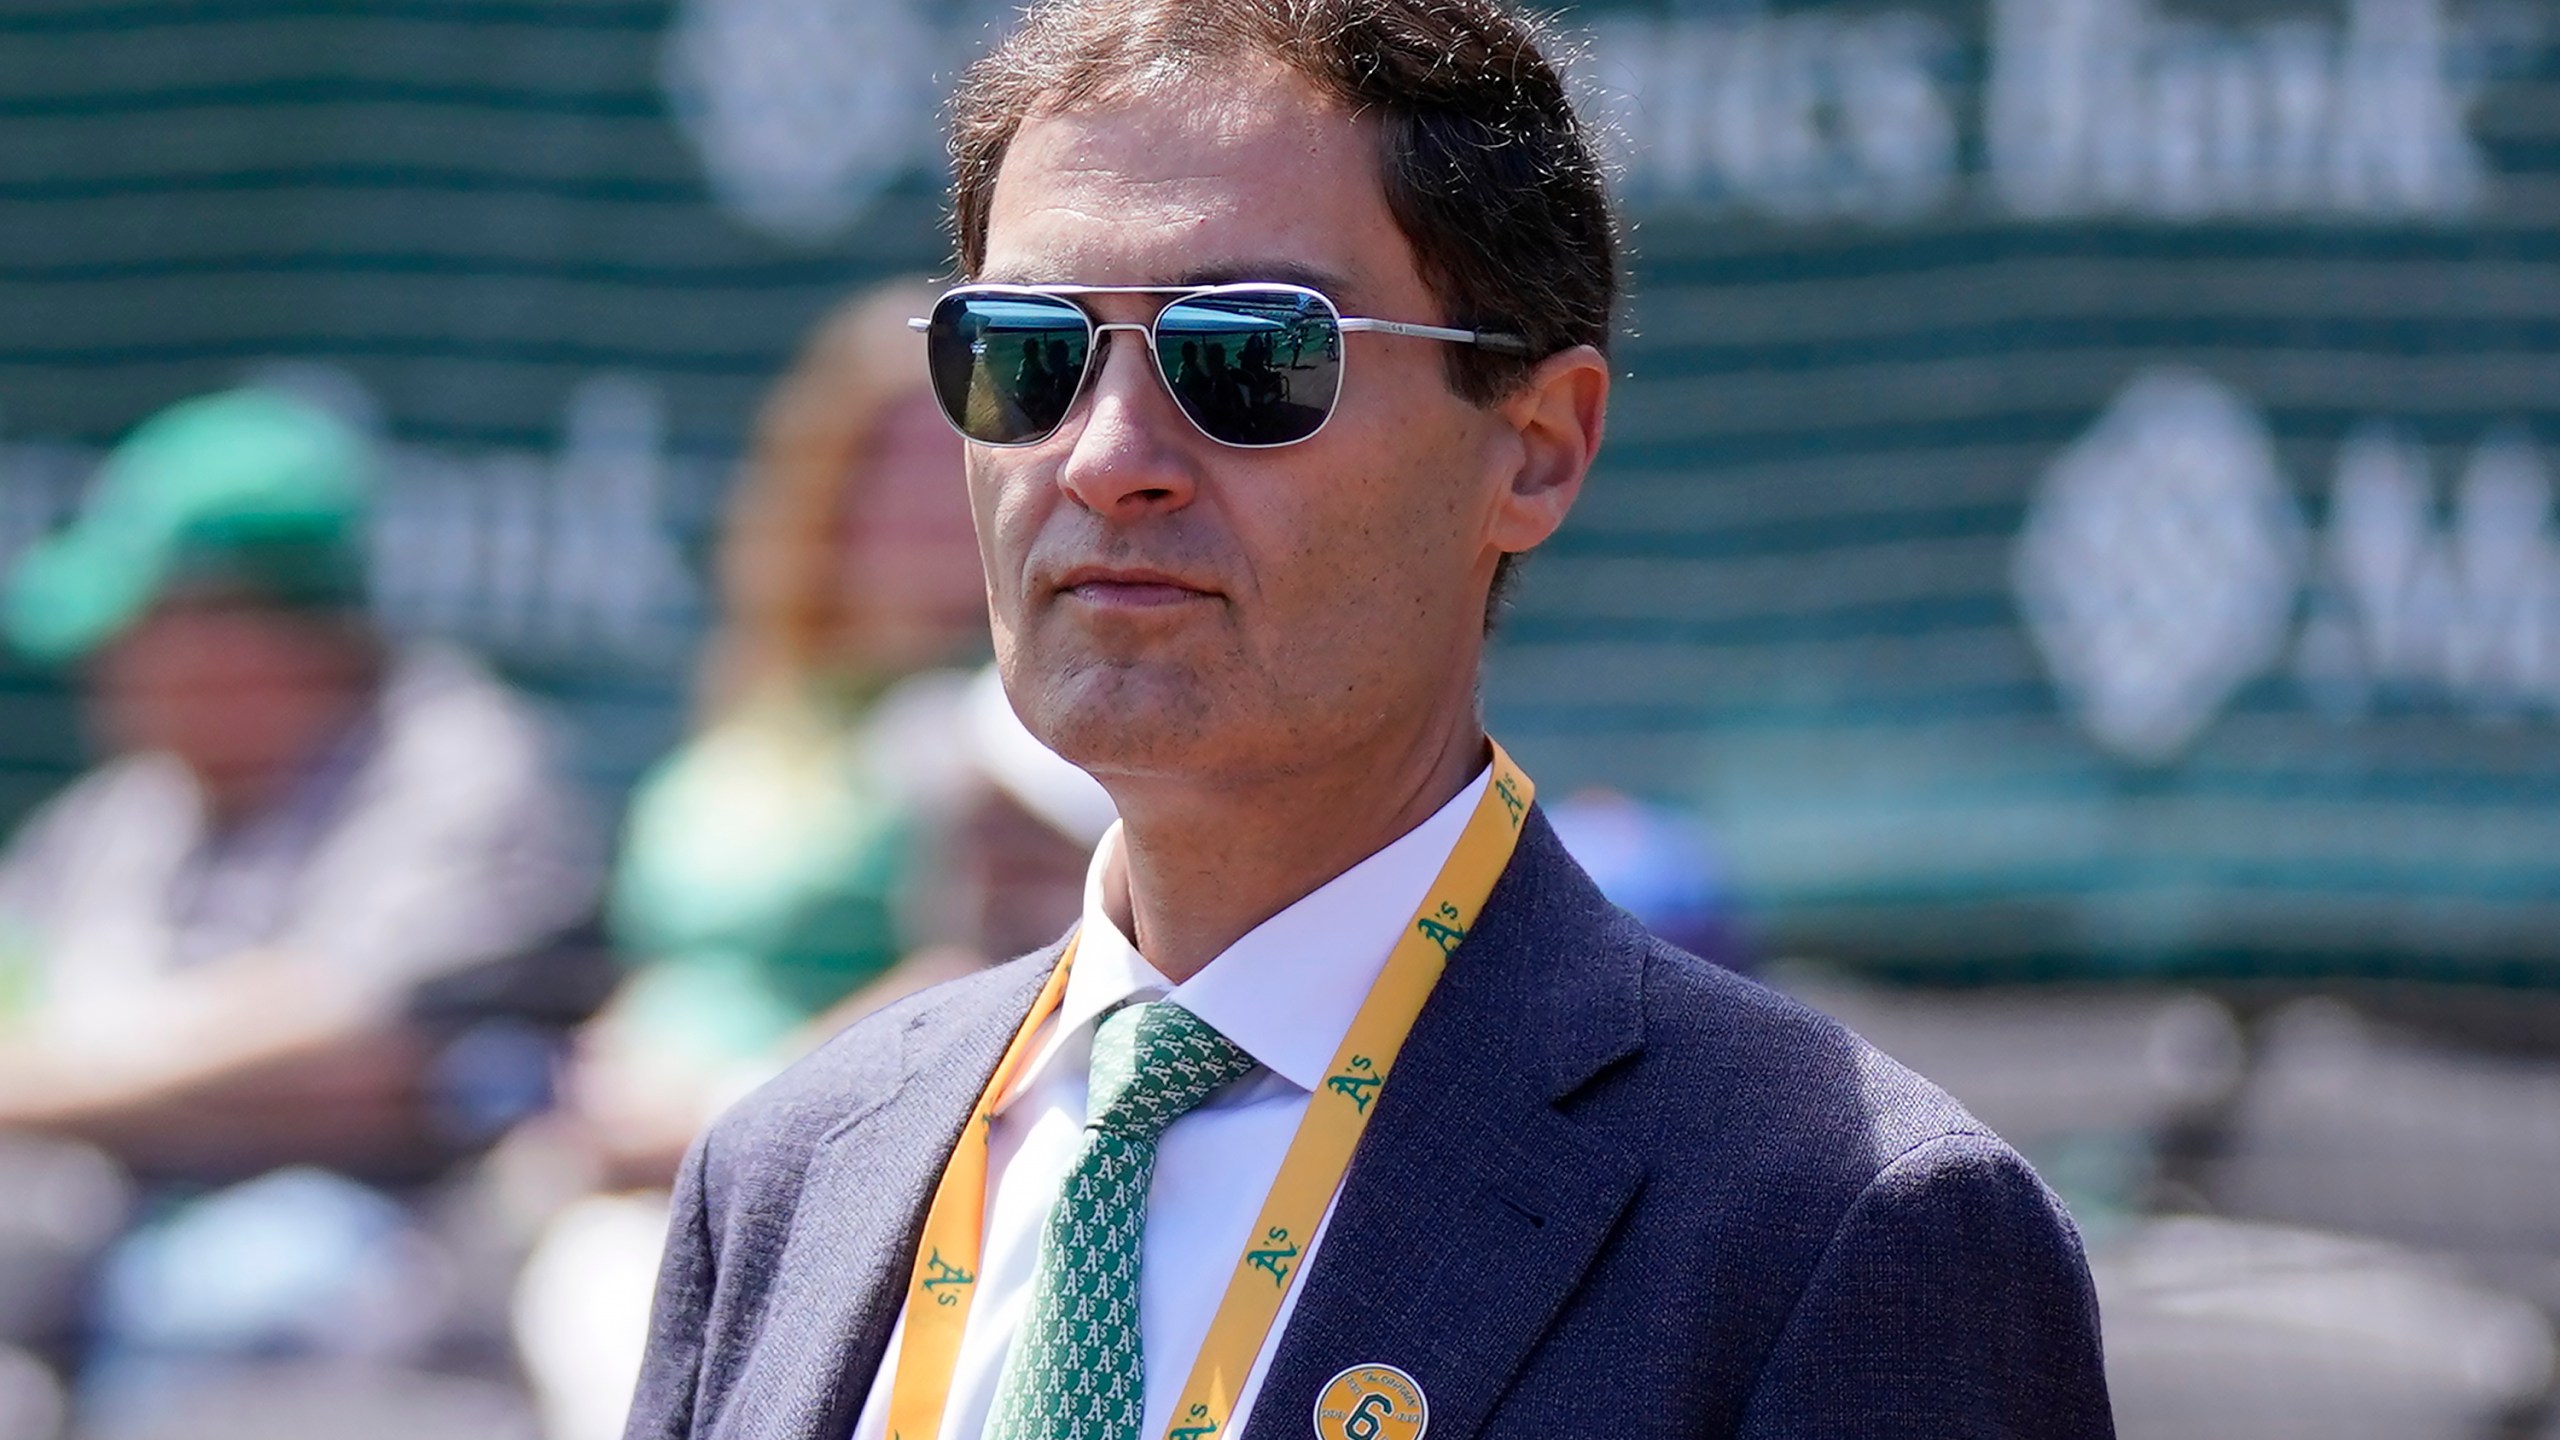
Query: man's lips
{"x": 1133, "y": 588}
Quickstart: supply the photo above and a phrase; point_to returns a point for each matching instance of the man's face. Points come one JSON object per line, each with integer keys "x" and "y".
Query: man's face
{"x": 245, "y": 696}
{"x": 1168, "y": 606}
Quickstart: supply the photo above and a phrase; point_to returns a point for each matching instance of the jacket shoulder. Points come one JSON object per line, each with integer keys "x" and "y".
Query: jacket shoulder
{"x": 1694, "y": 1069}
{"x": 1732, "y": 1049}
{"x": 742, "y": 1187}
{"x": 767, "y": 1137}
{"x": 1862, "y": 1239}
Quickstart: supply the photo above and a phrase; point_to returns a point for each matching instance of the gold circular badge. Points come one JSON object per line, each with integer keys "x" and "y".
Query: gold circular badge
{"x": 1371, "y": 1402}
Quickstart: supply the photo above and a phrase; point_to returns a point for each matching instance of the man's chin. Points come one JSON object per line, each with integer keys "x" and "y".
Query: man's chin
{"x": 1127, "y": 718}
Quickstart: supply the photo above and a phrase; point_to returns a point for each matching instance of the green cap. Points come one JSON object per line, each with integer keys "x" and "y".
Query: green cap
{"x": 248, "y": 490}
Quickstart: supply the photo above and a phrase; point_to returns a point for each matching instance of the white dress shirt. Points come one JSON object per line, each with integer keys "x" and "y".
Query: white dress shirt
{"x": 1285, "y": 994}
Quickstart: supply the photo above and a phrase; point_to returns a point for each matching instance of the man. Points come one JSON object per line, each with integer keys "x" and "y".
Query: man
{"x": 1594, "y": 1186}
{"x": 303, "y": 912}
{"x": 299, "y": 828}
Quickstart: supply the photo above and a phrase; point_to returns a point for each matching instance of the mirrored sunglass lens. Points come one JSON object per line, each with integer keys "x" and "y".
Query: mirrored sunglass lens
{"x": 1006, "y": 367}
{"x": 1252, "y": 367}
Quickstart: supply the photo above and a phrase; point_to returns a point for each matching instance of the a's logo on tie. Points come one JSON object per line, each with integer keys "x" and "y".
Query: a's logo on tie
{"x": 1443, "y": 928}
{"x": 1201, "y": 1426}
{"x": 946, "y": 1281}
{"x": 1275, "y": 1257}
{"x": 1371, "y": 1402}
{"x": 1358, "y": 1083}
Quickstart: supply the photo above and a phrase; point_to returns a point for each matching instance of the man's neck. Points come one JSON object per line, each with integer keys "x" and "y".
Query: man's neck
{"x": 1203, "y": 869}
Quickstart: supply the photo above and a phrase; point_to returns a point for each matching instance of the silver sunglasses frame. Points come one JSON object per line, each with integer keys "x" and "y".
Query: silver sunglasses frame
{"x": 1096, "y": 328}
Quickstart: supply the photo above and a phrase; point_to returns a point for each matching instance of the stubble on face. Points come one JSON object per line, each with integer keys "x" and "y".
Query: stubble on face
{"x": 1168, "y": 607}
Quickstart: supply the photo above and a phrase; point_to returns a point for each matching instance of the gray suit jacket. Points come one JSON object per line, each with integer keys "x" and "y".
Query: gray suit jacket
{"x": 1610, "y": 1191}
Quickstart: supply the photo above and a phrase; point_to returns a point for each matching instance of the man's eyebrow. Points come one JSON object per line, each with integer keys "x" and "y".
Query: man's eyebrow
{"x": 1286, "y": 272}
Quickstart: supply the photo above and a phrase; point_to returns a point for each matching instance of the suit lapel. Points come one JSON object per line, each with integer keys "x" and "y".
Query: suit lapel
{"x": 851, "y": 1240}
{"x": 1474, "y": 1205}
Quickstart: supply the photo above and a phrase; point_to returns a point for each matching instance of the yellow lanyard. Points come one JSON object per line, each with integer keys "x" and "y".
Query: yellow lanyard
{"x": 946, "y": 1271}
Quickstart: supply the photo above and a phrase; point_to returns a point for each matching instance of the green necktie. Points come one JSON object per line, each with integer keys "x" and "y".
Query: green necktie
{"x": 1075, "y": 1372}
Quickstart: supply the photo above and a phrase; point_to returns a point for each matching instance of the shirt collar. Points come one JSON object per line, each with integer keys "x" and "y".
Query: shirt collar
{"x": 1287, "y": 991}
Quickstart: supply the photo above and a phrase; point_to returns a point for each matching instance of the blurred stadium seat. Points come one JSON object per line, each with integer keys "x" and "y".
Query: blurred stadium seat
{"x": 2225, "y": 1327}
{"x": 32, "y": 1404}
{"x": 63, "y": 1200}
{"x": 2039, "y": 1063}
{"x": 338, "y": 1401}
{"x": 2223, "y": 1331}
{"x": 2351, "y": 1125}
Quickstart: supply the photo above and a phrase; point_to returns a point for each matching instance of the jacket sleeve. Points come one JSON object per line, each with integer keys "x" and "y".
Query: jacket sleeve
{"x": 1953, "y": 1303}
{"x": 671, "y": 1368}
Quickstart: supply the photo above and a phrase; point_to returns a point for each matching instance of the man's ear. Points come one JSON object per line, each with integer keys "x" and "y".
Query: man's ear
{"x": 1558, "y": 413}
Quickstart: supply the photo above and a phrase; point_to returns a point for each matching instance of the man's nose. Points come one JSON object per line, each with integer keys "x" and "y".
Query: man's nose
{"x": 1131, "y": 453}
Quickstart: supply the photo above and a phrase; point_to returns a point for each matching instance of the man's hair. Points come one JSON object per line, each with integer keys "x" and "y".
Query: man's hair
{"x": 1488, "y": 171}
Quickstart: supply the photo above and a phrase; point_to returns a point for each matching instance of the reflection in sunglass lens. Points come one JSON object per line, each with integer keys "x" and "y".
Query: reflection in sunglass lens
{"x": 1006, "y": 367}
{"x": 1252, "y": 367}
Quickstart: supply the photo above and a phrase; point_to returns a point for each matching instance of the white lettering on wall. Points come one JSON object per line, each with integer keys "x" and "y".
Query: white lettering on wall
{"x": 2163, "y": 566}
{"x": 541, "y": 555}
{"x": 803, "y": 112}
{"x": 2159, "y": 563}
{"x": 2113, "y": 106}
{"x": 2352, "y": 109}
{"x": 1802, "y": 117}
{"x": 2465, "y": 609}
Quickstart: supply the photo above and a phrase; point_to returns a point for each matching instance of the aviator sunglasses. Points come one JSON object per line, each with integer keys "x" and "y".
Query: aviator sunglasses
{"x": 1251, "y": 365}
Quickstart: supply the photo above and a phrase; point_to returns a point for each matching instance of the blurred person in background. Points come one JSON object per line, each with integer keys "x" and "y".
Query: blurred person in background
{"x": 279, "y": 925}
{"x": 765, "y": 864}
{"x": 1001, "y": 830}
{"x": 858, "y": 818}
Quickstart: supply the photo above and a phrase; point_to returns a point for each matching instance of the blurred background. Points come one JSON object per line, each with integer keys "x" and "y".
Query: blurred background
{"x": 2072, "y": 588}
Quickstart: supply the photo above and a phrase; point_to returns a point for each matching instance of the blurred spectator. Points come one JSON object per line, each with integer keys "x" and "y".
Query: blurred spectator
{"x": 315, "y": 869}
{"x": 855, "y": 820}
{"x": 765, "y": 864}
{"x": 1004, "y": 828}
{"x": 1011, "y": 826}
